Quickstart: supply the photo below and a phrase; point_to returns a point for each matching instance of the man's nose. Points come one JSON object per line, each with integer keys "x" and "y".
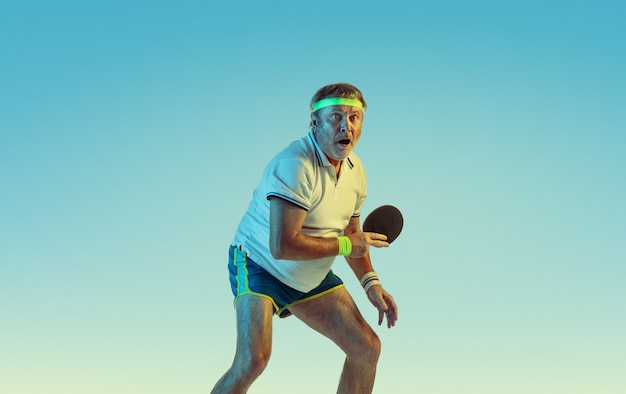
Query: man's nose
{"x": 345, "y": 125}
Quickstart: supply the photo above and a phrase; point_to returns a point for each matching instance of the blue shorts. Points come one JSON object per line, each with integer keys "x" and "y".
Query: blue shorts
{"x": 247, "y": 277}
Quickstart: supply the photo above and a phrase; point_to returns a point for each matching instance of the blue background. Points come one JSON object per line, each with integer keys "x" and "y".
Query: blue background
{"x": 132, "y": 135}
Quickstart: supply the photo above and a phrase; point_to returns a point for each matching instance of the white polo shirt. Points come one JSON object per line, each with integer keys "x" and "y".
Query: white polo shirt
{"x": 302, "y": 174}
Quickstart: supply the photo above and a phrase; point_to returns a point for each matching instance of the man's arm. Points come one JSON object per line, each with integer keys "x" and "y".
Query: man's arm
{"x": 360, "y": 265}
{"x": 377, "y": 295}
{"x": 287, "y": 242}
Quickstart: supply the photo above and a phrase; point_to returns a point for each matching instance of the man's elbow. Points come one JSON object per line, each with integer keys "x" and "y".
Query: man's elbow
{"x": 279, "y": 250}
{"x": 276, "y": 252}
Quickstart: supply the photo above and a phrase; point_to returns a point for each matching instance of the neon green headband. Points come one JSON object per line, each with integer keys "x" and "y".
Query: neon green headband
{"x": 336, "y": 101}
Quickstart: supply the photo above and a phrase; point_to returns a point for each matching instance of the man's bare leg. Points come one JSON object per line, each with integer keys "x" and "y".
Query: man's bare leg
{"x": 254, "y": 345}
{"x": 336, "y": 316}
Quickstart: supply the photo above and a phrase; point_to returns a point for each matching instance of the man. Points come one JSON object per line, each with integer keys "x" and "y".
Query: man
{"x": 304, "y": 212}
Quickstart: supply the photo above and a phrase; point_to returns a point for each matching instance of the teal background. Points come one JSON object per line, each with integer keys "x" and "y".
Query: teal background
{"x": 132, "y": 134}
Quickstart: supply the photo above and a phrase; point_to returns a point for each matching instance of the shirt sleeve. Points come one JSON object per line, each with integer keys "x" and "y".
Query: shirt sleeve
{"x": 289, "y": 179}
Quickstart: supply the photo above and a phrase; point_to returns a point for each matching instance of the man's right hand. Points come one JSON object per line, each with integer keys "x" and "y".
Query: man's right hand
{"x": 361, "y": 243}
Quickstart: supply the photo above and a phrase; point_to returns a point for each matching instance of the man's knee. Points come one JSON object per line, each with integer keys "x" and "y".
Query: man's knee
{"x": 254, "y": 345}
{"x": 257, "y": 362}
{"x": 367, "y": 348}
{"x": 252, "y": 364}
{"x": 374, "y": 346}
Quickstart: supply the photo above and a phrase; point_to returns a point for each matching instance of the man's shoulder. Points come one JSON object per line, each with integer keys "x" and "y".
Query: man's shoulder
{"x": 301, "y": 150}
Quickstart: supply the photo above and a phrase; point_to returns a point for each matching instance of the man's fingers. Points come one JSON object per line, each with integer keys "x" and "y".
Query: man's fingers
{"x": 392, "y": 312}
{"x": 391, "y": 319}
{"x": 378, "y": 240}
{"x": 385, "y": 305}
{"x": 382, "y": 310}
{"x": 377, "y": 236}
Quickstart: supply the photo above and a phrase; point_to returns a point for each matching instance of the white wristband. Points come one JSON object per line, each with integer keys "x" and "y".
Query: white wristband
{"x": 368, "y": 276}
{"x": 371, "y": 283}
{"x": 370, "y": 279}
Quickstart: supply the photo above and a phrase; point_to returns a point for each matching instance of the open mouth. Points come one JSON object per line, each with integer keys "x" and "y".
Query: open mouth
{"x": 344, "y": 142}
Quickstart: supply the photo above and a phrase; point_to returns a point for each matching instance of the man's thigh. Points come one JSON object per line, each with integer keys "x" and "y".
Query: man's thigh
{"x": 254, "y": 323}
{"x": 336, "y": 316}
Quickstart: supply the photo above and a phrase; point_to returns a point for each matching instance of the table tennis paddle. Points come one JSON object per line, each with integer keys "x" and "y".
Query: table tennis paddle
{"x": 385, "y": 219}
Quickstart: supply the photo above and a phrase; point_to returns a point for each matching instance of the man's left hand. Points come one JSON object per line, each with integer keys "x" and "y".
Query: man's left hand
{"x": 385, "y": 304}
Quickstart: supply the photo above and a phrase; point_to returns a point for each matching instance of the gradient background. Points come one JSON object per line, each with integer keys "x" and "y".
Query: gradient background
{"x": 133, "y": 133}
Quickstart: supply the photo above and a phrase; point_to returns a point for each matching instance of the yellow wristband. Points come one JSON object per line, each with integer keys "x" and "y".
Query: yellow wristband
{"x": 345, "y": 246}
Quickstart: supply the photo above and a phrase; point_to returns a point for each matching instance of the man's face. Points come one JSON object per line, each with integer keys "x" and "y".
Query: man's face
{"x": 337, "y": 129}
